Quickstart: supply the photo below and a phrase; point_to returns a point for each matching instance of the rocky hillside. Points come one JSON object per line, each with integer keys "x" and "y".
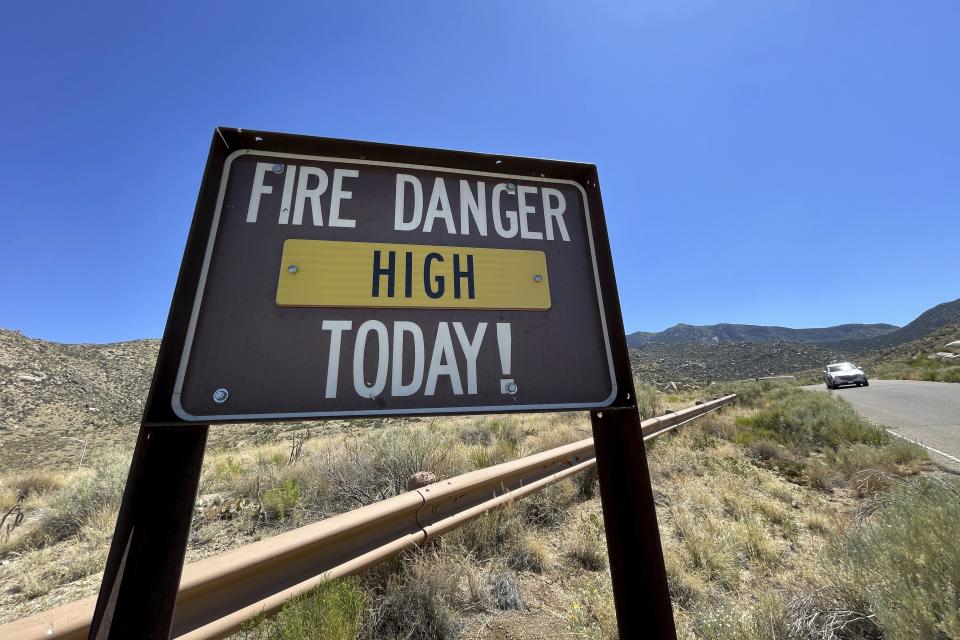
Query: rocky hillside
{"x": 719, "y": 333}
{"x": 697, "y": 363}
{"x": 51, "y": 393}
{"x": 930, "y": 321}
{"x": 58, "y": 399}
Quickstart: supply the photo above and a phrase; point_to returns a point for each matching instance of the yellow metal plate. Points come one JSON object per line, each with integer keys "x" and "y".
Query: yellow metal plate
{"x": 325, "y": 273}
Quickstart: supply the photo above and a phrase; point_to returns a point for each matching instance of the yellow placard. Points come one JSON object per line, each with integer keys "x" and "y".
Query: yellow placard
{"x": 326, "y": 273}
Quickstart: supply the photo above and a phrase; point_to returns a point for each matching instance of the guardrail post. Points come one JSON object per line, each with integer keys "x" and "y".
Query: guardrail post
{"x": 142, "y": 576}
{"x": 640, "y": 590}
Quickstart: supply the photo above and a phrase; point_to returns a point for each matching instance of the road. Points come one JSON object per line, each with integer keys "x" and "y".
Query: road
{"x": 928, "y": 412}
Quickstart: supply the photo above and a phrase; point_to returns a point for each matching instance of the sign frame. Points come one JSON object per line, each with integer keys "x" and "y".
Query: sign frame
{"x": 138, "y": 592}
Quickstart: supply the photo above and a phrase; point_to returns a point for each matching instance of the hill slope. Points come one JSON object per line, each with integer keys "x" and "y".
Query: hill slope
{"x": 717, "y": 333}
{"x": 51, "y": 392}
{"x": 928, "y": 322}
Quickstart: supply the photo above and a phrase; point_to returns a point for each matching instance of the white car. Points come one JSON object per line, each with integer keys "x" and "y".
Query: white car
{"x": 841, "y": 373}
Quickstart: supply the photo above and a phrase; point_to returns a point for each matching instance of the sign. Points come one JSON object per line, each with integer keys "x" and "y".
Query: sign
{"x": 340, "y": 286}
{"x": 337, "y": 278}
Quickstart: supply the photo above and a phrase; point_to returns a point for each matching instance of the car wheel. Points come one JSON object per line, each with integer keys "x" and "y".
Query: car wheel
{"x": 866, "y": 383}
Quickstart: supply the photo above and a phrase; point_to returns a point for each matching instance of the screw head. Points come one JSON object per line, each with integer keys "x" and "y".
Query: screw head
{"x": 512, "y": 388}
{"x": 293, "y": 268}
{"x": 511, "y": 188}
{"x": 278, "y": 168}
{"x": 220, "y": 395}
{"x": 538, "y": 278}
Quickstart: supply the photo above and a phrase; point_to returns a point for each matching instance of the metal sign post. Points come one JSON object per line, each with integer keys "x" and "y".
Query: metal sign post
{"x": 330, "y": 278}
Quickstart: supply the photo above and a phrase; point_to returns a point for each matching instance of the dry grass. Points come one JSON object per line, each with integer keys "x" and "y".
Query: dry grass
{"x": 589, "y": 549}
{"x": 746, "y": 504}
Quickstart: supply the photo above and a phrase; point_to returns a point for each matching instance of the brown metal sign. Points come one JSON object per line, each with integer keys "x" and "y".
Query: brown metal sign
{"x": 337, "y": 278}
{"x": 344, "y": 286}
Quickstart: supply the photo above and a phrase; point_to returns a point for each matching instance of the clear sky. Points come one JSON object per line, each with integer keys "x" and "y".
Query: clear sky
{"x": 792, "y": 163}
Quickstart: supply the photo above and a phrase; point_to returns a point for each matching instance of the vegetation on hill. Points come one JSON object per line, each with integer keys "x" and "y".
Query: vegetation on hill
{"x": 930, "y": 321}
{"x": 723, "y": 332}
{"x": 916, "y": 360}
{"x": 909, "y": 361}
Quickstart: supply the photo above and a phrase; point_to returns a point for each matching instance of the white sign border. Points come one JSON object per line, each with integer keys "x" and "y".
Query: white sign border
{"x": 198, "y": 301}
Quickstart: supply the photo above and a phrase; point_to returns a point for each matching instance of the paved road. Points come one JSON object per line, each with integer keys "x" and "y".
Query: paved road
{"x": 928, "y": 412}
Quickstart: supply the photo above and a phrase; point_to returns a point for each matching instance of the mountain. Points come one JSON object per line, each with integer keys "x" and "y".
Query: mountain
{"x": 717, "y": 333}
{"x": 698, "y": 363}
{"x": 928, "y": 322}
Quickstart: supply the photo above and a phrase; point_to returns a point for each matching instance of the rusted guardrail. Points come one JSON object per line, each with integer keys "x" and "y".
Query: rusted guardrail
{"x": 218, "y": 594}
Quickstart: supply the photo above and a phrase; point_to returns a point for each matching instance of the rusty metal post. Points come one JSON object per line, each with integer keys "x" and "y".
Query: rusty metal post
{"x": 142, "y": 575}
{"x": 640, "y": 590}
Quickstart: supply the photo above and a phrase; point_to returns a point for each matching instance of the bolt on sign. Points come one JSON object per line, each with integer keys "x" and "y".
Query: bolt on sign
{"x": 335, "y": 282}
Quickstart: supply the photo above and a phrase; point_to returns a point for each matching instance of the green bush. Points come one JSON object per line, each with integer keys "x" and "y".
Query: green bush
{"x": 749, "y": 394}
{"x": 919, "y": 368}
{"x": 279, "y": 501}
{"x": 904, "y": 562}
{"x": 806, "y": 419}
{"x": 332, "y": 611}
{"x": 649, "y": 401}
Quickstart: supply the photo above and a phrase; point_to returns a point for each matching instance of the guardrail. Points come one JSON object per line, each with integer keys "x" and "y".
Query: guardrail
{"x": 218, "y": 594}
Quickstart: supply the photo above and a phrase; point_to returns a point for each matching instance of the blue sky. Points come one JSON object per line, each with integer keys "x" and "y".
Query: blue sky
{"x": 791, "y": 163}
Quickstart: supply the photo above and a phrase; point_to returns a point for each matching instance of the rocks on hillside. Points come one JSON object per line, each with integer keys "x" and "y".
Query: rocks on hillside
{"x": 697, "y": 363}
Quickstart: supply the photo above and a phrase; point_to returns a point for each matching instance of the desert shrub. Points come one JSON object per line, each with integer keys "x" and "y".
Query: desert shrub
{"x": 764, "y": 450}
{"x": 749, "y": 394}
{"x": 495, "y": 533}
{"x": 507, "y": 431}
{"x": 280, "y": 501}
{"x": 821, "y": 476}
{"x": 904, "y": 562}
{"x": 778, "y": 516}
{"x": 649, "y": 401}
{"x": 476, "y": 433}
{"x": 922, "y": 367}
{"x": 530, "y": 554}
{"x": 551, "y": 438}
{"x": 501, "y": 451}
{"x": 817, "y": 522}
{"x": 587, "y": 483}
{"x": 33, "y": 482}
{"x": 712, "y": 425}
{"x": 8, "y": 498}
{"x": 332, "y": 611}
{"x": 766, "y": 621}
{"x": 90, "y": 493}
{"x": 424, "y": 600}
{"x": 905, "y": 453}
{"x": 548, "y": 507}
{"x": 807, "y": 419}
{"x": 830, "y": 614}
{"x": 897, "y": 457}
{"x": 592, "y": 616}
{"x": 502, "y": 591}
{"x": 708, "y": 548}
{"x": 686, "y": 586}
{"x": 361, "y": 471}
{"x": 589, "y": 548}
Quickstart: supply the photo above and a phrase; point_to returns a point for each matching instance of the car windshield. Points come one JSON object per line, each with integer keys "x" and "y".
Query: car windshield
{"x": 846, "y": 366}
